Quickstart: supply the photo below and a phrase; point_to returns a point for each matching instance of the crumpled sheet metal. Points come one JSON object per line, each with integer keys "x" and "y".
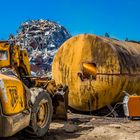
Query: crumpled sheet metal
{"x": 118, "y": 69}
{"x": 41, "y": 38}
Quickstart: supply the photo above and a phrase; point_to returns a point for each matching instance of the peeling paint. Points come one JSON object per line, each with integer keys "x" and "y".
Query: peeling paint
{"x": 34, "y": 93}
{"x": 3, "y": 91}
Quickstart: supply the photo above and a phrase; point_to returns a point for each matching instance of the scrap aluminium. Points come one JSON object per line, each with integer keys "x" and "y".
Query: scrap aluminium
{"x": 97, "y": 70}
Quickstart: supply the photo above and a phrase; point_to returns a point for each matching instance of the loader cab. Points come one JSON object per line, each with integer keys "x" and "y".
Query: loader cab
{"x": 4, "y": 55}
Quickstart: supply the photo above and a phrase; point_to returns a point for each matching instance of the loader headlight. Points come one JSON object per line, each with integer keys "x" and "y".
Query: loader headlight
{"x": 3, "y": 55}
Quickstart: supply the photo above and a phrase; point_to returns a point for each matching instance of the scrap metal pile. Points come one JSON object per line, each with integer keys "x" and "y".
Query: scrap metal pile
{"x": 41, "y": 38}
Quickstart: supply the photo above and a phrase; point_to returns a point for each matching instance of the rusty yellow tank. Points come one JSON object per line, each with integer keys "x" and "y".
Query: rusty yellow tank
{"x": 111, "y": 67}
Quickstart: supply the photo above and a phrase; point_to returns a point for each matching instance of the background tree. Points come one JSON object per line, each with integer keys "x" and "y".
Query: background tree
{"x": 126, "y": 39}
{"x": 107, "y": 35}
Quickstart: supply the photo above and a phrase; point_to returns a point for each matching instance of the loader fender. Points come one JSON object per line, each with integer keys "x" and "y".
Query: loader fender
{"x": 34, "y": 93}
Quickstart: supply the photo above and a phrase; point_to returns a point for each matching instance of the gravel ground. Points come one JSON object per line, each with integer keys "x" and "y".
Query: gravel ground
{"x": 84, "y": 127}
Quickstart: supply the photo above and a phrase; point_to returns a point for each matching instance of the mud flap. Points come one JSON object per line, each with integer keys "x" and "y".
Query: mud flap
{"x": 60, "y": 103}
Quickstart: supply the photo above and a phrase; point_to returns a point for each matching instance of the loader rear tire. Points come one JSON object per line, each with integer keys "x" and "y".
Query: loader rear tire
{"x": 41, "y": 115}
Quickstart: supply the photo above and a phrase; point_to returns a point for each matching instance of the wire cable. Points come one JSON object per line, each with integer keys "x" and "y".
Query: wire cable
{"x": 115, "y": 107}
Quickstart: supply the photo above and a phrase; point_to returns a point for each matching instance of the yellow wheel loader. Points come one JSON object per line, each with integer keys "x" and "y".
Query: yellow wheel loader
{"x": 26, "y": 101}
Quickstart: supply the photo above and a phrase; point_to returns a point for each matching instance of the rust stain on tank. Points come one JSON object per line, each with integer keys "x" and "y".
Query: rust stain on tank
{"x": 117, "y": 69}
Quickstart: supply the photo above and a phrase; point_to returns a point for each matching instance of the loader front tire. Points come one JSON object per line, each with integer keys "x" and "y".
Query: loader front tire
{"x": 41, "y": 115}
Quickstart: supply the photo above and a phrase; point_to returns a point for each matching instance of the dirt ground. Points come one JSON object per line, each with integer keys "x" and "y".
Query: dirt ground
{"x": 84, "y": 127}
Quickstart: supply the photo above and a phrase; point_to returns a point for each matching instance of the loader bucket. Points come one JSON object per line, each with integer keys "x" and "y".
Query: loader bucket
{"x": 59, "y": 95}
{"x": 60, "y": 103}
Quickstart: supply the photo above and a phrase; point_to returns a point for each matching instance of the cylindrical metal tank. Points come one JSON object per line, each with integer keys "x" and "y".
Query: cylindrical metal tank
{"x": 117, "y": 70}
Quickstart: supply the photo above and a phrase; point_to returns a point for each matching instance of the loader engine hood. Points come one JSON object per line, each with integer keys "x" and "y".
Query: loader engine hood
{"x": 11, "y": 95}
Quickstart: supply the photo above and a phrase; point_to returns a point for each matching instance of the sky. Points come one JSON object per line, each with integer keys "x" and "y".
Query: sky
{"x": 120, "y": 18}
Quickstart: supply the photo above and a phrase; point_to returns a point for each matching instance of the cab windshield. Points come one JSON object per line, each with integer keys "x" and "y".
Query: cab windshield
{"x": 3, "y": 55}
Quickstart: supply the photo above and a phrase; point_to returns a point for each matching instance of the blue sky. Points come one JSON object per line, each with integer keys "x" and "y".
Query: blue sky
{"x": 120, "y": 18}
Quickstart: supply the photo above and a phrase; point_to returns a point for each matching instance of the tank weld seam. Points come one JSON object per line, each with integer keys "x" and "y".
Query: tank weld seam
{"x": 118, "y": 74}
